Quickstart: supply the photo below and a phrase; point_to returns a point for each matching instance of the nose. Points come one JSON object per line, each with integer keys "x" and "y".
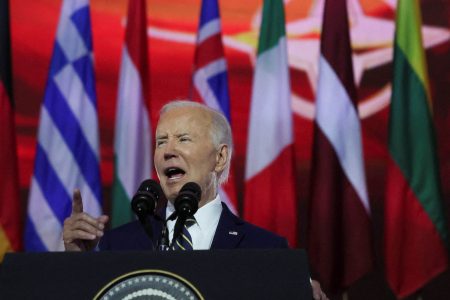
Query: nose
{"x": 170, "y": 150}
{"x": 169, "y": 155}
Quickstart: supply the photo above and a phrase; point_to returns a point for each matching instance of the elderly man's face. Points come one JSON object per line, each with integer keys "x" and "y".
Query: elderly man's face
{"x": 185, "y": 152}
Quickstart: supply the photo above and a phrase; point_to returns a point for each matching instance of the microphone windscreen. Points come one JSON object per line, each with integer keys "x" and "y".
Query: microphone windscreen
{"x": 145, "y": 200}
{"x": 186, "y": 203}
{"x": 150, "y": 185}
{"x": 193, "y": 188}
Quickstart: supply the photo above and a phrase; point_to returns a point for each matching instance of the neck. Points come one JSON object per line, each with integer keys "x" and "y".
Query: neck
{"x": 206, "y": 198}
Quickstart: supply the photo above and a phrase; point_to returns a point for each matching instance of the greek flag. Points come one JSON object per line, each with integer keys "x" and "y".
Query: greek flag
{"x": 67, "y": 148}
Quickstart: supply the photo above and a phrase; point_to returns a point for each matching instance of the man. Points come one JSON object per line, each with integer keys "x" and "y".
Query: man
{"x": 193, "y": 144}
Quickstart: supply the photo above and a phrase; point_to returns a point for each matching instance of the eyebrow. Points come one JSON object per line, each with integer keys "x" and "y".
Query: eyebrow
{"x": 164, "y": 136}
{"x": 161, "y": 136}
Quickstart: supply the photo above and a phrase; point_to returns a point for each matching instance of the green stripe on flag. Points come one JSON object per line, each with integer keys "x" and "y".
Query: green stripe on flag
{"x": 411, "y": 141}
{"x": 272, "y": 27}
{"x": 121, "y": 212}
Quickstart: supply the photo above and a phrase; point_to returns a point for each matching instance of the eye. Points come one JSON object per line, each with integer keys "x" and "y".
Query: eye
{"x": 184, "y": 139}
{"x": 160, "y": 143}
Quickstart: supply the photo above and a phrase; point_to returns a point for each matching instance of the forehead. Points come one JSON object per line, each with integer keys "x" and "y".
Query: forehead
{"x": 184, "y": 120}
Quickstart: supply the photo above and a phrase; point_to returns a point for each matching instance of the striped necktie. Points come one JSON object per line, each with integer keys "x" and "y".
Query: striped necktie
{"x": 184, "y": 240}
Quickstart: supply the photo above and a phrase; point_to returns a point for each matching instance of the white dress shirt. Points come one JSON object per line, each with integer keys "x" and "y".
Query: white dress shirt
{"x": 202, "y": 232}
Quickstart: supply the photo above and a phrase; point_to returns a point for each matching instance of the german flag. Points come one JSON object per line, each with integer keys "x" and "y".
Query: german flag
{"x": 10, "y": 225}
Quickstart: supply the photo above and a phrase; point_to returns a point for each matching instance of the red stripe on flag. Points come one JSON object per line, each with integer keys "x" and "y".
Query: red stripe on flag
{"x": 339, "y": 243}
{"x": 414, "y": 252}
{"x": 136, "y": 42}
{"x": 9, "y": 183}
{"x": 270, "y": 197}
{"x": 335, "y": 44}
{"x": 209, "y": 50}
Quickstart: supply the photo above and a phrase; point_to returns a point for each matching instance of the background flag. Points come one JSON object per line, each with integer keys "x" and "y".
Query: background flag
{"x": 339, "y": 232}
{"x": 270, "y": 199}
{"x": 10, "y": 228}
{"x": 67, "y": 148}
{"x": 210, "y": 77}
{"x": 415, "y": 229}
{"x": 132, "y": 145}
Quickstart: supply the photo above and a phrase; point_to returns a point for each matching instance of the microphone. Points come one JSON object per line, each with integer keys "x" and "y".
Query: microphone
{"x": 145, "y": 200}
{"x": 186, "y": 205}
{"x": 144, "y": 203}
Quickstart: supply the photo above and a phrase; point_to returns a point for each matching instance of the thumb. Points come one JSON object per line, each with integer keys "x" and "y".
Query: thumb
{"x": 77, "y": 203}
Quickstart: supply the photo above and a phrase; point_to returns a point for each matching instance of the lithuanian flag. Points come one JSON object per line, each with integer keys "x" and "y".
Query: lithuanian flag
{"x": 415, "y": 228}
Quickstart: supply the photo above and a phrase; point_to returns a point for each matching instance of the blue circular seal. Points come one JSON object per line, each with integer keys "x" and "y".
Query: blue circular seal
{"x": 149, "y": 284}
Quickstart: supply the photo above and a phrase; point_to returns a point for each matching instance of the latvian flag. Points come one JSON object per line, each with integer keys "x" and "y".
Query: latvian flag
{"x": 210, "y": 77}
{"x": 339, "y": 233}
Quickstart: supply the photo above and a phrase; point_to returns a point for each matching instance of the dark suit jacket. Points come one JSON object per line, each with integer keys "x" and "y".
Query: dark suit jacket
{"x": 231, "y": 233}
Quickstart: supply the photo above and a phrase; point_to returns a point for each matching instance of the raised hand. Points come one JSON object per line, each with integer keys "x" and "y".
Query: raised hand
{"x": 81, "y": 231}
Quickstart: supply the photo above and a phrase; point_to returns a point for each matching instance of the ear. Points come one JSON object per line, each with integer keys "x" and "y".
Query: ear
{"x": 221, "y": 158}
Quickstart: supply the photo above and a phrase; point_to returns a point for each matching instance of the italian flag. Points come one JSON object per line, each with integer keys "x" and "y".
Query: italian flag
{"x": 270, "y": 200}
{"x": 415, "y": 229}
{"x": 132, "y": 144}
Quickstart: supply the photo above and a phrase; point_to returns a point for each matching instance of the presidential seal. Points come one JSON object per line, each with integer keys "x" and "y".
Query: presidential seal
{"x": 149, "y": 284}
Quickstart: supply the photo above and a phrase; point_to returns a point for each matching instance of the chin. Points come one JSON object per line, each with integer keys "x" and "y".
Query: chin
{"x": 171, "y": 190}
{"x": 170, "y": 196}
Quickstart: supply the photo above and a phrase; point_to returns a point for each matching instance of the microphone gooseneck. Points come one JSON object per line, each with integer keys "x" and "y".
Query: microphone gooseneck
{"x": 163, "y": 243}
{"x": 144, "y": 203}
{"x": 186, "y": 205}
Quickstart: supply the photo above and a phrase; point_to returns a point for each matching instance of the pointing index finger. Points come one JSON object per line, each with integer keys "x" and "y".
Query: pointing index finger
{"x": 77, "y": 203}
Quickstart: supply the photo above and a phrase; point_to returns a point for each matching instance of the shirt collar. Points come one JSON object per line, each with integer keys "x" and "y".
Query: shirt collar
{"x": 209, "y": 213}
{"x": 205, "y": 215}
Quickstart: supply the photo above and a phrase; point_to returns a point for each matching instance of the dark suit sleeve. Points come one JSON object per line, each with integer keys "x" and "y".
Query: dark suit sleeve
{"x": 104, "y": 243}
{"x": 130, "y": 236}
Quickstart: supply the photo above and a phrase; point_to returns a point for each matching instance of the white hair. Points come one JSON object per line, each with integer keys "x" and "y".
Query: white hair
{"x": 220, "y": 130}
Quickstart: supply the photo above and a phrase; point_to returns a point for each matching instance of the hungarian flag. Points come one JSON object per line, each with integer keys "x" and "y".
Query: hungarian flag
{"x": 270, "y": 199}
{"x": 339, "y": 231}
{"x": 210, "y": 77}
{"x": 415, "y": 236}
{"x": 132, "y": 143}
{"x": 10, "y": 229}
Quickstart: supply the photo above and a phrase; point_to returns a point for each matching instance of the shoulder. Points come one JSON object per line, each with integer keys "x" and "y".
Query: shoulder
{"x": 257, "y": 237}
{"x": 252, "y": 236}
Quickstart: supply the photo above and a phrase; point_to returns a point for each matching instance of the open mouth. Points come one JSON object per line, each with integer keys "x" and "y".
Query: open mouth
{"x": 174, "y": 173}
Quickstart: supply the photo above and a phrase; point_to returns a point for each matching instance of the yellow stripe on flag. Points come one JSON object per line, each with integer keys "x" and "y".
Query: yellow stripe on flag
{"x": 5, "y": 245}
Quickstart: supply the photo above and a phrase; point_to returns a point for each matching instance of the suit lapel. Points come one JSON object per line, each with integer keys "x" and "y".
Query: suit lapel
{"x": 229, "y": 231}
